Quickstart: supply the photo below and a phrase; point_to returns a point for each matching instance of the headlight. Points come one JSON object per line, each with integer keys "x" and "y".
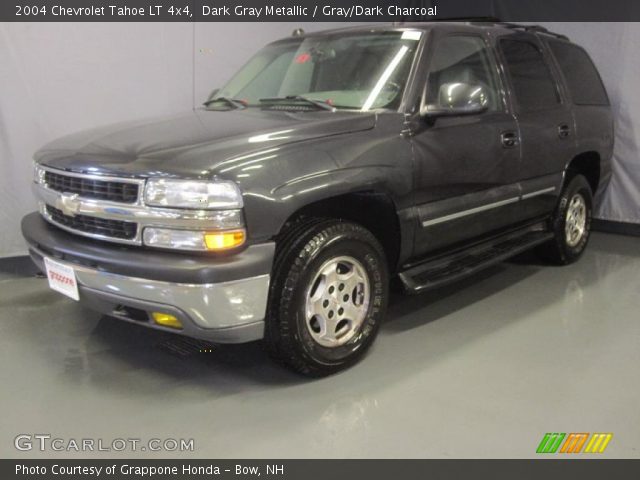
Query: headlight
{"x": 192, "y": 194}
{"x": 193, "y": 240}
{"x": 38, "y": 174}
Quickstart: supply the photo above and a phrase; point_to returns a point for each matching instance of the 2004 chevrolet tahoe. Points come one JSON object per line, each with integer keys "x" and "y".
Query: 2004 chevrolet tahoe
{"x": 330, "y": 162}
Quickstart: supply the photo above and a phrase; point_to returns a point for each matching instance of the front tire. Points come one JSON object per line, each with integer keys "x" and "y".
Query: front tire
{"x": 571, "y": 223}
{"x": 328, "y": 296}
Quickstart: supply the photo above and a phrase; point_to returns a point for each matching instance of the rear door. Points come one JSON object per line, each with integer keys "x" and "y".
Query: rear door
{"x": 545, "y": 121}
{"x": 590, "y": 102}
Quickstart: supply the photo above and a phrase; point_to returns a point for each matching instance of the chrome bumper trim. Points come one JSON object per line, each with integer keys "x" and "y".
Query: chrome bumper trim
{"x": 211, "y": 307}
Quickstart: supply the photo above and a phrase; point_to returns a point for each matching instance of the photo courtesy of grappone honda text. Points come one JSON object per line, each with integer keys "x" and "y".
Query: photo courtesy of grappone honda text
{"x": 329, "y": 164}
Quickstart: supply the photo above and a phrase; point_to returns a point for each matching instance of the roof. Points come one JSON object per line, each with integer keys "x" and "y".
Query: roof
{"x": 480, "y": 24}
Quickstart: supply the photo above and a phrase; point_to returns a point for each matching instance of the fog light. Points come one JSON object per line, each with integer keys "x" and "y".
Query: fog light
{"x": 166, "y": 320}
{"x": 224, "y": 240}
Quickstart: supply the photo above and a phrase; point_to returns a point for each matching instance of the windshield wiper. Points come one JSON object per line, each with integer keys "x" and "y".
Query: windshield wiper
{"x": 232, "y": 102}
{"x": 298, "y": 98}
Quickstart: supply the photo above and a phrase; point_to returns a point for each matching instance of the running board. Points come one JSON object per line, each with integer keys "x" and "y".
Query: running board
{"x": 450, "y": 268}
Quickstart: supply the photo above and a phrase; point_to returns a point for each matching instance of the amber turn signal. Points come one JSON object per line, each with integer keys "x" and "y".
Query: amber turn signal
{"x": 224, "y": 240}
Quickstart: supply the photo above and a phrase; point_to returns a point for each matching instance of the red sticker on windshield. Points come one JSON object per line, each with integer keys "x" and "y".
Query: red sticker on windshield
{"x": 303, "y": 58}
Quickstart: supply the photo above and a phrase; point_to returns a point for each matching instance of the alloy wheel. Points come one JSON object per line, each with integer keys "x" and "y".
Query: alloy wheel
{"x": 337, "y": 301}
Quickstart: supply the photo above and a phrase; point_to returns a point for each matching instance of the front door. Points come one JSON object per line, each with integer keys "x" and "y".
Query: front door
{"x": 466, "y": 167}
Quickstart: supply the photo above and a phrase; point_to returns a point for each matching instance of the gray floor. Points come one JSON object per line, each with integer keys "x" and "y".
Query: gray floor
{"x": 483, "y": 368}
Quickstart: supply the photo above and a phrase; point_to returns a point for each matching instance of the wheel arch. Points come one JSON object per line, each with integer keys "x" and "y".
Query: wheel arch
{"x": 375, "y": 210}
{"x": 587, "y": 164}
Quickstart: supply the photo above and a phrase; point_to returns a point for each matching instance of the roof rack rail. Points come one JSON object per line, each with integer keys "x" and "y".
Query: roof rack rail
{"x": 487, "y": 19}
{"x": 536, "y": 29}
{"x": 517, "y": 26}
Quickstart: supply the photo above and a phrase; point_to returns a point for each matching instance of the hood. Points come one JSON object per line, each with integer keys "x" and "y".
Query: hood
{"x": 192, "y": 144}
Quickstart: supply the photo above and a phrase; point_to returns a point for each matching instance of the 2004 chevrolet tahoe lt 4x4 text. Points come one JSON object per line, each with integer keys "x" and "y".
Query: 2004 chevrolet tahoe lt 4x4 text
{"x": 328, "y": 163}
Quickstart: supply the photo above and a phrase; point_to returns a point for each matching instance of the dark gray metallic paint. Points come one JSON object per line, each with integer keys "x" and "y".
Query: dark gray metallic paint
{"x": 284, "y": 161}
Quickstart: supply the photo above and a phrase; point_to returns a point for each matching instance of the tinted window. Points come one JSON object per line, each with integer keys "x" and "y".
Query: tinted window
{"x": 462, "y": 59}
{"x": 358, "y": 71}
{"x": 581, "y": 75}
{"x": 533, "y": 84}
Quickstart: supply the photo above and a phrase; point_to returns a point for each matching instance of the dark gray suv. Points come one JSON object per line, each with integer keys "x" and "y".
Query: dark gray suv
{"x": 328, "y": 164}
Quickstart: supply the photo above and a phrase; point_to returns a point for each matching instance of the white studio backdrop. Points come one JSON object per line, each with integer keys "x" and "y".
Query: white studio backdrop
{"x": 57, "y": 78}
{"x": 614, "y": 49}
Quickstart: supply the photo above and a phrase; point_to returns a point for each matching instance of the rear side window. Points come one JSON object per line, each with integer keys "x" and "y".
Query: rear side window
{"x": 530, "y": 75}
{"x": 581, "y": 75}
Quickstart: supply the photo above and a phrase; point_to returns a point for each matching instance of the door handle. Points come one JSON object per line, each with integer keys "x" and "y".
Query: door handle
{"x": 564, "y": 131}
{"x": 509, "y": 139}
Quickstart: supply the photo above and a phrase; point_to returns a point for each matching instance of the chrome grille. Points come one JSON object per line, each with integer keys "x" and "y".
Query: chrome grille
{"x": 93, "y": 225}
{"x": 112, "y": 191}
{"x": 90, "y": 214}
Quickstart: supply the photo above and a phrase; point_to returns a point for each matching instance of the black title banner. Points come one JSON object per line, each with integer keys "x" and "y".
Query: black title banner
{"x": 317, "y": 469}
{"x": 315, "y": 10}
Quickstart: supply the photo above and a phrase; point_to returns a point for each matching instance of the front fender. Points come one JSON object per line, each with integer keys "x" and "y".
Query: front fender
{"x": 279, "y": 182}
{"x": 266, "y": 213}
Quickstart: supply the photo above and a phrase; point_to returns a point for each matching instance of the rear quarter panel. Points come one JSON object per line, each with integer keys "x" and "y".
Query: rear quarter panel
{"x": 594, "y": 133}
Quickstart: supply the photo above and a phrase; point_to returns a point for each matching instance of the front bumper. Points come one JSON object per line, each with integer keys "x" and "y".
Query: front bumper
{"x": 220, "y": 299}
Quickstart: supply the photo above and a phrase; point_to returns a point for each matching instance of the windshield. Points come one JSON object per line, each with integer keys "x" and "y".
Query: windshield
{"x": 361, "y": 71}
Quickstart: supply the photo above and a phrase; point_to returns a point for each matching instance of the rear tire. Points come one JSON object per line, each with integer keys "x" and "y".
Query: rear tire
{"x": 328, "y": 296}
{"x": 571, "y": 223}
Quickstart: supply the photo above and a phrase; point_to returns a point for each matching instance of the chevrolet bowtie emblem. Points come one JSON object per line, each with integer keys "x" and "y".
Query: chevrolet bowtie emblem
{"x": 68, "y": 203}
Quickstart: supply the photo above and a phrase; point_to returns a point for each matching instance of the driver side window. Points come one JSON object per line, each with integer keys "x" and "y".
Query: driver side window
{"x": 462, "y": 60}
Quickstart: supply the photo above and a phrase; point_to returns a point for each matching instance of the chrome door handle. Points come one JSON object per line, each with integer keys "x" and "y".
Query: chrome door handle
{"x": 509, "y": 139}
{"x": 564, "y": 131}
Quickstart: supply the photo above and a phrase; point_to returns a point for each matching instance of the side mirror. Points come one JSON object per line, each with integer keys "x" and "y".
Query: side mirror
{"x": 212, "y": 95}
{"x": 458, "y": 99}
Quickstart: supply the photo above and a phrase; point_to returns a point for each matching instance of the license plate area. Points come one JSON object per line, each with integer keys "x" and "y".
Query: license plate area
{"x": 62, "y": 278}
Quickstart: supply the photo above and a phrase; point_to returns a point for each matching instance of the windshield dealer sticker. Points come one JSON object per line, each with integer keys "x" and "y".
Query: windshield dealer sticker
{"x": 411, "y": 35}
{"x": 303, "y": 58}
